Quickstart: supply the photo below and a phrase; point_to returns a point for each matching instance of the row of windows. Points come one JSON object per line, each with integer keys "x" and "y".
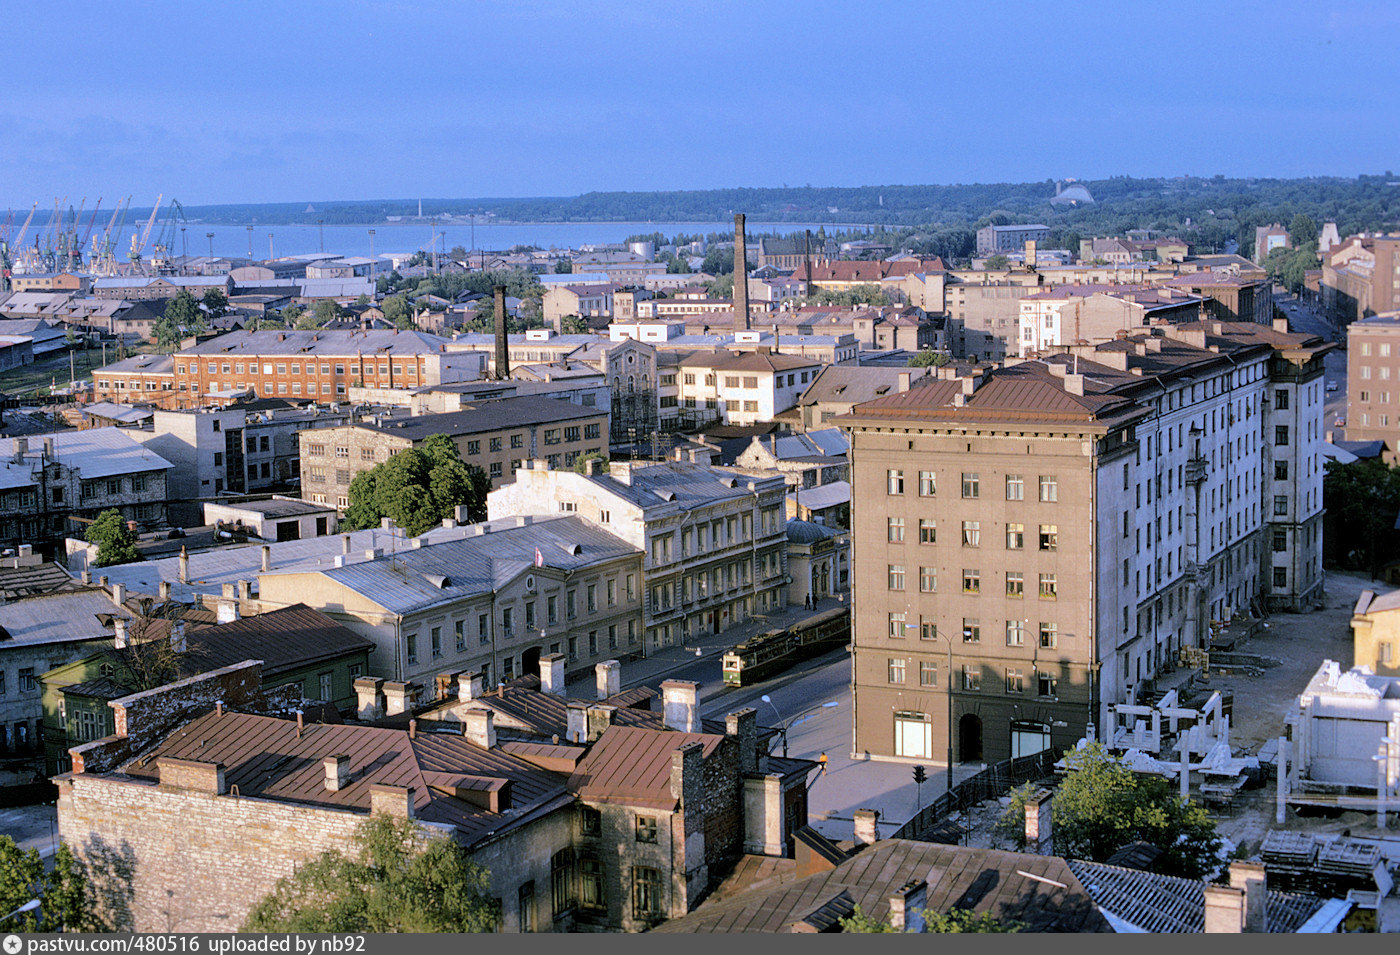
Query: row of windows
{"x": 236, "y": 368}
{"x": 972, "y": 581}
{"x": 1048, "y": 535}
{"x": 1048, "y": 632}
{"x": 897, "y": 669}
{"x": 971, "y": 485}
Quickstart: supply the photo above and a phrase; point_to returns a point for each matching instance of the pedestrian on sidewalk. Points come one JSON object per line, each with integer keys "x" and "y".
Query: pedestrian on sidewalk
{"x": 822, "y": 759}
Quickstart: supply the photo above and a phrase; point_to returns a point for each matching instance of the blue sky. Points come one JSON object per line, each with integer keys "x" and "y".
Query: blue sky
{"x": 310, "y": 101}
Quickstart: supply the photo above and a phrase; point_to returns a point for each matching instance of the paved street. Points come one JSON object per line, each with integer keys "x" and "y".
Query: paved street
{"x": 796, "y": 698}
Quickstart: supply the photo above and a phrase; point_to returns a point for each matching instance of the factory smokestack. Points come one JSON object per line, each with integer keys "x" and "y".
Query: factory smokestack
{"x": 502, "y": 348}
{"x": 741, "y": 276}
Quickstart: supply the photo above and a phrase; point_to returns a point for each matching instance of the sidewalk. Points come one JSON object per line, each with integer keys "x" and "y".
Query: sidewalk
{"x": 660, "y": 663}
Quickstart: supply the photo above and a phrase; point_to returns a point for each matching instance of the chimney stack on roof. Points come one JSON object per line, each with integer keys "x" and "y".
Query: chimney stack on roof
{"x": 576, "y": 721}
{"x": 119, "y": 594}
{"x": 502, "y": 344}
{"x": 164, "y": 589}
{"x": 552, "y": 674}
{"x": 337, "y": 772}
{"x": 184, "y": 565}
{"x": 1039, "y": 836}
{"x": 479, "y": 727}
{"x": 397, "y": 697}
{"x": 178, "y": 642}
{"x": 741, "y": 275}
{"x": 867, "y": 826}
{"x": 119, "y": 627}
{"x": 907, "y": 906}
{"x": 1250, "y": 877}
{"x": 369, "y": 698}
{"x": 609, "y": 678}
{"x": 266, "y": 557}
{"x": 470, "y": 686}
{"x": 680, "y": 700}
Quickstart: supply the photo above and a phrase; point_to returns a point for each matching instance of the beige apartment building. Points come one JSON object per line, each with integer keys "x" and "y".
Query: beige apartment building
{"x": 1033, "y": 543}
{"x": 1373, "y": 382}
{"x": 494, "y": 602}
{"x": 496, "y": 436}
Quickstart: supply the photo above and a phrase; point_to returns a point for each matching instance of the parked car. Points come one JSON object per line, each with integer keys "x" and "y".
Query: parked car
{"x": 1331, "y": 386}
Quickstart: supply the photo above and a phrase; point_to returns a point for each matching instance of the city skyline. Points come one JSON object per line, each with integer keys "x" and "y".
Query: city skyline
{"x": 322, "y": 102}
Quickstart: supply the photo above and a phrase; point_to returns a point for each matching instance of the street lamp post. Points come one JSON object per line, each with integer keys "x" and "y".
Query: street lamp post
{"x": 29, "y": 906}
{"x": 784, "y": 725}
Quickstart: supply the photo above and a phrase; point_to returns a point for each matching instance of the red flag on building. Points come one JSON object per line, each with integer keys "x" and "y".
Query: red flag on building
{"x": 539, "y": 558}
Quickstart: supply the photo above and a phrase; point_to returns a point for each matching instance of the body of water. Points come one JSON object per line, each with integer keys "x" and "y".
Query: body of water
{"x": 270, "y": 241}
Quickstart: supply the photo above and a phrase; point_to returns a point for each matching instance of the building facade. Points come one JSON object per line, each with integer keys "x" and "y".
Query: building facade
{"x": 1373, "y": 382}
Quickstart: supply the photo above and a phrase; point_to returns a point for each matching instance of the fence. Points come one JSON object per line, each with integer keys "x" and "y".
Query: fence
{"x": 991, "y": 782}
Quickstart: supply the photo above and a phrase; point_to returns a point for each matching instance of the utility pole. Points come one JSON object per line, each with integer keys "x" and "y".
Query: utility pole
{"x": 321, "y": 226}
{"x": 269, "y": 245}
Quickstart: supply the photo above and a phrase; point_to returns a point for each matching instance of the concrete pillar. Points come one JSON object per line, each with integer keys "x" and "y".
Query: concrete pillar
{"x": 479, "y": 726}
{"x": 1282, "y": 807}
{"x": 907, "y": 906}
{"x": 184, "y": 565}
{"x": 1224, "y": 909}
{"x": 609, "y": 678}
{"x": 1039, "y": 829}
{"x": 470, "y": 686}
{"x": 369, "y": 698}
{"x": 867, "y": 826}
{"x": 576, "y": 721}
{"x": 266, "y": 557}
{"x": 680, "y": 700}
{"x": 1250, "y": 877}
{"x": 742, "y": 725}
{"x": 552, "y": 673}
{"x": 337, "y": 772}
{"x": 397, "y": 698}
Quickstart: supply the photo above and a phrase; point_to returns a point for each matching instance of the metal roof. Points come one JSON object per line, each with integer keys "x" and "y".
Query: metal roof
{"x": 95, "y": 452}
{"x": 57, "y": 618}
{"x": 632, "y": 766}
{"x": 321, "y": 342}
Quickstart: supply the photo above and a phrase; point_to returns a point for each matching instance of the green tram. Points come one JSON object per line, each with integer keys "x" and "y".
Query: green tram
{"x": 760, "y": 657}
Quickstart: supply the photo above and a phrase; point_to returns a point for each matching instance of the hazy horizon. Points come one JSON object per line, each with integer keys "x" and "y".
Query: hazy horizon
{"x": 264, "y": 103}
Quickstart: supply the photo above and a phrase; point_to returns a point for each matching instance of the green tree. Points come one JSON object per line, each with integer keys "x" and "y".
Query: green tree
{"x": 182, "y": 316}
{"x": 721, "y": 287}
{"x": 1303, "y": 230}
{"x": 1102, "y": 805}
{"x": 418, "y": 488}
{"x": 925, "y": 357}
{"x": 563, "y": 267}
{"x": 327, "y": 311}
{"x": 573, "y": 325}
{"x": 1362, "y": 498}
{"x": 955, "y": 921}
{"x": 1012, "y": 824}
{"x": 216, "y": 302}
{"x": 116, "y": 542}
{"x": 63, "y": 892}
{"x": 400, "y": 879}
{"x": 363, "y": 299}
{"x": 397, "y": 310}
{"x": 599, "y": 459}
{"x": 1289, "y": 267}
{"x": 291, "y": 316}
{"x": 996, "y": 263}
{"x": 718, "y": 261}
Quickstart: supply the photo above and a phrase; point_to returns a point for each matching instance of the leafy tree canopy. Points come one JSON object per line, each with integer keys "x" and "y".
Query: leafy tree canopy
{"x": 954, "y": 921}
{"x": 327, "y": 310}
{"x": 926, "y": 357}
{"x": 216, "y": 302}
{"x": 995, "y": 263}
{"x": 116, "y": 542}
{"x": 1102, "y": 805}
{"x": 418, "y": 488}
{"x": 63, "y": 892}
{"x": 1362, "y": 500}
{"x": 599, "y": 459}
{"x": 397, "y": 310}
{"x": 398, "y": 880}
{"x": 868, "y": 294}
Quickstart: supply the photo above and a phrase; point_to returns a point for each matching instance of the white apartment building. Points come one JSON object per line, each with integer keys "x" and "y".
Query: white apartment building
{"x": 714, "y": 540}
{"x": 745, "y": 387}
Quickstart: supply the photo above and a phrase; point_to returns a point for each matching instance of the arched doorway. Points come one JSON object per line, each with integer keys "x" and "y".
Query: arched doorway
{"x": 970, "y": 739}
{"x": 530, "y": 662}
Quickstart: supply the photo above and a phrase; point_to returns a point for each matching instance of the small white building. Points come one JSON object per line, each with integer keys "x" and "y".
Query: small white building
{"x": 278, "y": 519}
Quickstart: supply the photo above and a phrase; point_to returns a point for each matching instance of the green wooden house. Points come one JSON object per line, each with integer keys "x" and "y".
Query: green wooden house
{"x": 296, "y": 644}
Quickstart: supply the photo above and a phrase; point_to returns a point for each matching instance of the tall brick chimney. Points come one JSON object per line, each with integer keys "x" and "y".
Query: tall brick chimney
{"x": 502, "y": 346}
{"x": 741, "y": 276}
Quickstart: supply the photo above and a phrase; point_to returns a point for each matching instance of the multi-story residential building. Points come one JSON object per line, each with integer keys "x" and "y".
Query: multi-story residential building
{"x": 319, "y": 365}
{"x": 1373, "y": 382}
{"x": 841, "y": 274}
{"x": 592, "y": 814}
{"x": 1069, "y": 314}
{"x": 580, "y": 301}
{"x": 510, "y": 591}
{"x": 1361, "y": 278}
{"x": 1232, "y": 297}
{"x": 137, "y": 288}
{"x": 496, "y": 436}
{"x": 792, "y": 252}
{"x": 234, "y": 450}
{"x": 1009, "y": 238}
{"x": 837, "y": 389}
{"x": 48, "y": 479}
{"x": 714, "y": 540}
{"x": 297, "y": 645}
{"x": 1270, "y": 237}
{"x": 1040, "y": 540}
{"x": 744, "y": 387}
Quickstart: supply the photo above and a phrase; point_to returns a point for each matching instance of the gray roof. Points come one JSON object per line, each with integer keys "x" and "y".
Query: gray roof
{"x": 1163, "y": 903}
{"x": 809, "y": 532}
{"x": 680, "y": 483}
{"x": 824, "y": 495}
{"x": 115, "y": 412}
{"x": 160, "y": 364}
{"x": 452, "y": 570}
{"x": 323, "y": 342}
{"x": 847, "y": 383}
{"x": 56, "y": 618}
{"x": 96, "y": 452}
{"x": 494, "y": 415}
{"x": 281, "y": 507}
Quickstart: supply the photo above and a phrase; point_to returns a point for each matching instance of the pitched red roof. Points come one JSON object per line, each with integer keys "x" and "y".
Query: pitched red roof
{"x": 633, "y": 766}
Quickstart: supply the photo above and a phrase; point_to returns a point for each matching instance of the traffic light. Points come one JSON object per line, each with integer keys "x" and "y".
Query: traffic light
{"x": 919, "y": 774}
